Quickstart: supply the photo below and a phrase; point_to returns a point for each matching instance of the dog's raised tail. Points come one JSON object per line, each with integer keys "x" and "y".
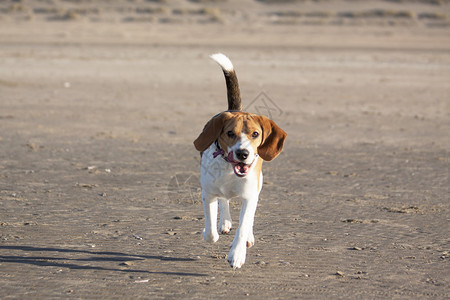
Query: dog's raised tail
{"x": 233, "y": 93}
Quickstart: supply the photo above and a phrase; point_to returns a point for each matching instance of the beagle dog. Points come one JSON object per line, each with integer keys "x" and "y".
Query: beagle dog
{"x": 233, "y": 145}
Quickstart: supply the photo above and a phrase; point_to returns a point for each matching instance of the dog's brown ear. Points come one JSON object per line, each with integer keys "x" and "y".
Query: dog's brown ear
{"x": 272, "y": 139}
{"x": 211, "y": 131}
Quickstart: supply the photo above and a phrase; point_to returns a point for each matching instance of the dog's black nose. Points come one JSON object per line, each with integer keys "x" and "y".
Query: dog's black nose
{"x": 241, "y": 154}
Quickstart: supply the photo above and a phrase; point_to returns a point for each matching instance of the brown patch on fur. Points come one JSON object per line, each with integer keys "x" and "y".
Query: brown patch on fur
{"x": 273, "y": 139}
{"x": 241, "y": 123}
{"x": 211, "y": 131}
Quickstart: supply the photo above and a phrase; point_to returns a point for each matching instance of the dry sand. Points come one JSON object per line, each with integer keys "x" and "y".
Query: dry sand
{"x": 100, "y": 102}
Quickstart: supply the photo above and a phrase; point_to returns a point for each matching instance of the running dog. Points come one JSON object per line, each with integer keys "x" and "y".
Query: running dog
{"x": 233, "y": 145}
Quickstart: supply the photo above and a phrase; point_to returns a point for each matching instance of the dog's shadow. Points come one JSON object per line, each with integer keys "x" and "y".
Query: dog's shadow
{"x": 96, "y": 256}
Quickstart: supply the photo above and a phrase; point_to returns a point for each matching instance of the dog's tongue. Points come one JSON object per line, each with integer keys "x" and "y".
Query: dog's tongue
{"x": 230, "y": 157}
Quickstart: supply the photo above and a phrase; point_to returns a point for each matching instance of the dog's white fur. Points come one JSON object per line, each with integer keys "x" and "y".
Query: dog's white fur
{"x": 223, "y": 61}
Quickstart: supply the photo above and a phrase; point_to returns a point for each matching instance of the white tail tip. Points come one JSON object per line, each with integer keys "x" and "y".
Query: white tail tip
{"x": 223, "y": 61}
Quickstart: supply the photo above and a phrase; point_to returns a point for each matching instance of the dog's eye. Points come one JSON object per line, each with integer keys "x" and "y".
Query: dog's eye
{"x": 231, "y": 134}
{"x": 255, "y": 134}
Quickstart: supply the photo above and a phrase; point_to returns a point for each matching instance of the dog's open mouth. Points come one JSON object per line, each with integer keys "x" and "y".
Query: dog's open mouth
{"x": 240, "y": 169}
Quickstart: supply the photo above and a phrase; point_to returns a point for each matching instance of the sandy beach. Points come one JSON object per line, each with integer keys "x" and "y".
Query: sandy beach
{"x": 100, "y": 102}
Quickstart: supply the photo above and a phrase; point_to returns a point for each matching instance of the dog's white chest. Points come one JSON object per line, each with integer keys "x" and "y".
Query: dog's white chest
{"x": 218, "y": 178}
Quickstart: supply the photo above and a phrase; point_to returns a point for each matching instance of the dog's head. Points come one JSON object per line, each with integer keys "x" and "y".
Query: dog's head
{"x": 242, "y": 136}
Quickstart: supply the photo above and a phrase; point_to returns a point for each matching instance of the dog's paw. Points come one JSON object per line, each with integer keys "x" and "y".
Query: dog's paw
{"x": 250, "y": 240}
{"x": 225, "y": 227}
{"x": 236, "y": 257}
{"x": 210, "y": 237}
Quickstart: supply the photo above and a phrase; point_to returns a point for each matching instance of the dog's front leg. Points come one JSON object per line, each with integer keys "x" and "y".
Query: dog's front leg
{"x": 244, "y": 233}
{"x": 210, "y": 207}
{"x": 225, "y": 216}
